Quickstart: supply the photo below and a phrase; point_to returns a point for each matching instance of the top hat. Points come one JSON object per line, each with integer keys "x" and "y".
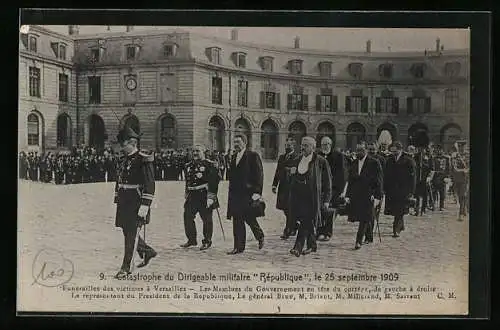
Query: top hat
{"x": 127, "y": 133}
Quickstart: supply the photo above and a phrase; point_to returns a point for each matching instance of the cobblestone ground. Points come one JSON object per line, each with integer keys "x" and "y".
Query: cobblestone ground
{"x": 78, "y": 221}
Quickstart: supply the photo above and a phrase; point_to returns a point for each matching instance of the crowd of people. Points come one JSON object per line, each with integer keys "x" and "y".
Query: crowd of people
{"x": 313, "y": 186}
{"x": 88, "y": 164}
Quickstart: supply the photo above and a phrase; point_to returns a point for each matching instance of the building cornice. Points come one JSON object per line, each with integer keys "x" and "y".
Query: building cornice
{"x": 319, "y": 79}
{"x": 217, "y": 42}
{"x": 42, "y": 58}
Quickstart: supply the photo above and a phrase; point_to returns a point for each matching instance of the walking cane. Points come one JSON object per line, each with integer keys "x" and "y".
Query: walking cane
{"x": 378, "y": 226}
{"x": 220, "y": 222}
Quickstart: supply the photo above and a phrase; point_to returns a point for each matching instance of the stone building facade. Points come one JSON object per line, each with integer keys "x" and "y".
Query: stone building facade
{"x": 178, "y": 88}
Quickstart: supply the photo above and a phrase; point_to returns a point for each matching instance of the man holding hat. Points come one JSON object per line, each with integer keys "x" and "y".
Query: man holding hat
{"x": 134, "y": 192}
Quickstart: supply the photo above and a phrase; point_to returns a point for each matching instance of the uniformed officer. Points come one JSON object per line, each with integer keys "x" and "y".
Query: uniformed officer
{"x": 460, "y": 177}
{"x": 202, "y": 182}
{"x": 423, "y": 170}
{"x": 440, "y": 173}
{"x": 134, "y": 192}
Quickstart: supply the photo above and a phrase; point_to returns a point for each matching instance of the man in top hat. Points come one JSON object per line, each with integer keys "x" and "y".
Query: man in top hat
{"x": 202, "y": 182}
{"x": 134, "y": 192}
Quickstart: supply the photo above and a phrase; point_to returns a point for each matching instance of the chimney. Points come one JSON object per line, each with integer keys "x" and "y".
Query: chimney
{"x": 129, "y": 28}
{"x": 108, "y": 28}
{"x": 297, "y": 42}
{"x": 369, "y": 46}
{"x": 73, "y": 30}
{"x": 234, "y": 34}
{"x": 438, "y": 42}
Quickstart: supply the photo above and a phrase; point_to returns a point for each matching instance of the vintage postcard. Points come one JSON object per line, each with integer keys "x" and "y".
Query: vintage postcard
{"x": 255, "y": 170}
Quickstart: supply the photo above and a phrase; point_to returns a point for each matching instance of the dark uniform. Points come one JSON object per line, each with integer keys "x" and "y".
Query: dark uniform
{"x": 202, "y": 182}
{"x": 460, "y": 177}
{"x": 60, "y": 171}
{"x": 134, "y": 187}
{"x": 441, "y": 171}
{"x": 424, "y": 167}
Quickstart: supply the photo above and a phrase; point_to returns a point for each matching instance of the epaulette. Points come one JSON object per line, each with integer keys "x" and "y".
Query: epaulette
{"x": 147, "y": 157}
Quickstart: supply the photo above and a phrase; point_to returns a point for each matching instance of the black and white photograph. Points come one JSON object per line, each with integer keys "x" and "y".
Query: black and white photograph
{"x": 245, "y": 170}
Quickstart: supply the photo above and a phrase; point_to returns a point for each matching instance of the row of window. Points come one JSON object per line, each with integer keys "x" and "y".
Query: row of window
{"x": 239, "y": 59}
{"x": 328, "y": 102}
{"x": 35, "y": 88}
{"x": 132, "y": 52}
{"x": 452, "y": 69}
{"x": 31, "y": 43}
{"x": 325, "y": 102}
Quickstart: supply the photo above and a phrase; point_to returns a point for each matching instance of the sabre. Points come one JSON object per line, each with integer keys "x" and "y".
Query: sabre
{"x": 220, "y": 222}
{"x": 136, "y": 242}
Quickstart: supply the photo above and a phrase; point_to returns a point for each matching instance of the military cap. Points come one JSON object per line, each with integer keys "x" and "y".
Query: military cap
{"x": 127, "y": 133}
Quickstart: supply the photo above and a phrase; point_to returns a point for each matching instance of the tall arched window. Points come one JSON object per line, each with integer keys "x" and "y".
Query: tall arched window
{"x": 33, "y": 130}
{"x": 168, "y": 138}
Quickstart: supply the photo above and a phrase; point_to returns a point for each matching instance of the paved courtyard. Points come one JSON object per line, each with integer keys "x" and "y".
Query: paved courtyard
{"x": 76, "y": 222}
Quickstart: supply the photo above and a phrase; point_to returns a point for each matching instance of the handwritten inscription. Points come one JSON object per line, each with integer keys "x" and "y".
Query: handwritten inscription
{"x": 50, "y": 268}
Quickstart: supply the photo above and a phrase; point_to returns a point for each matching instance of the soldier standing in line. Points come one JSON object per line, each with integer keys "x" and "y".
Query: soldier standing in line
{"x": 424, "y": 167}
{"x": 460, "y": 177}
{"x": 202, "y": 182}
{"x": 59, "y": 169}
{"x": 440, "y": 173}
{"x": 134, "y": 192}
{"x": 281, "y": 186}
{"x": 157, "y": 164}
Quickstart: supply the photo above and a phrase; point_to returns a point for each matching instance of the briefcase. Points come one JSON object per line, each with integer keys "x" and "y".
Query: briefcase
{"x": 257, "y": 208}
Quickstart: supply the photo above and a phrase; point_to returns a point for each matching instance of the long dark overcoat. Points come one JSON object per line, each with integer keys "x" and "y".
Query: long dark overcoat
{"x": 320, "y": 184}
{"x": 399, "y": 184}
{"x": 282, "y": 179}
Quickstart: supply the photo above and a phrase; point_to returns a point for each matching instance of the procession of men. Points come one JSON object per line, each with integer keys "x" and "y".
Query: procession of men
{"x": 314, "y": 183}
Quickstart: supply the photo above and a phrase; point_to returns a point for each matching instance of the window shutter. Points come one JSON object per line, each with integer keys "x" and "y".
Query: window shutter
{"x": 277, "y": 101}
{"x": 335, "y": 103}
{"x": 347, "y": 104}
{"x": 364, "y": 104}
{"x": 289, "y": 101}
{"x": 305, "y": 102}
{"x": 24, "y": 40}
{"x": 409, "y": 105}
{"x": 262, "y": 100}
{"x": 395, "y": 105}
{"x": 54, "y": 46}
{"x": 378, "y": 105}
{"x": 381, "y": 70}
{"x": 427, "y": 105}
{"x": 208, "y": 53}
{"x": 318, "y": 103}
{"x": 234, "y": 58}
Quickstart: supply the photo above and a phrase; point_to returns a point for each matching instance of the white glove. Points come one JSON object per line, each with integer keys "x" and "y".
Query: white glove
{"x": 143, "y": 211}
{"x": 255, "y": 197}
{"x": 376, "y": 202}
{"x": 209, "y": 202}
